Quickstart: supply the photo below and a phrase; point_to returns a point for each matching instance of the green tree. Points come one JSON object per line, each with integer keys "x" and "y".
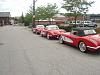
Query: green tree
{"x": 51, "y": 10}
{"x": 28, "y": 19}
{"x": 41, "y": 13}
{"x": 21, "y": 19}
{"x": 76, "y": 7}
{"x": 46, "y": 12}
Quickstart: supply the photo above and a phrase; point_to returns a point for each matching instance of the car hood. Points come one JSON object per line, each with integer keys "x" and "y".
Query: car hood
{"x": 58, "y": 31}
{"x": 40, "y": 28}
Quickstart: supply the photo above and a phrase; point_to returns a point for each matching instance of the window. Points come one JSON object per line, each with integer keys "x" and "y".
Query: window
{"x": 89, "y": 32}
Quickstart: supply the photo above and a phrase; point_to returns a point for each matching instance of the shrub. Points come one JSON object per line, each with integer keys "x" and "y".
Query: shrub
{"x": 97, "y": 30}
{"x": 67, "y": 28}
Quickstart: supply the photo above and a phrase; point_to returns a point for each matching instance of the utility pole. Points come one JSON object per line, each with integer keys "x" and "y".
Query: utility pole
{"x": 33, "y": 18}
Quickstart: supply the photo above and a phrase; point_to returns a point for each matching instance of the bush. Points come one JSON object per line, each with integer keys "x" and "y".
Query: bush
{"x": 97, "y": 30}
{"x": 67, "y": 28}
{"x": 26, "y": 23}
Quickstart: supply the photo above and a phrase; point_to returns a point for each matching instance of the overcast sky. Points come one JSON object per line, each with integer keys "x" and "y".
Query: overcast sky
{"x": 16, "y": 7}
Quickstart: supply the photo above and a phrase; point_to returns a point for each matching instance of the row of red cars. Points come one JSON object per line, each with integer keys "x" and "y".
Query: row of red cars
{"x": 84, "y": 39}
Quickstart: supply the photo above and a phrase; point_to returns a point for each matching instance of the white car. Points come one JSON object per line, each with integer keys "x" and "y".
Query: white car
{"x": 88, "y": 24}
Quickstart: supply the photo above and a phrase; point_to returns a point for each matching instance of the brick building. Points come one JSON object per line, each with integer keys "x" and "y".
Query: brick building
{"x": 4, "y": 18}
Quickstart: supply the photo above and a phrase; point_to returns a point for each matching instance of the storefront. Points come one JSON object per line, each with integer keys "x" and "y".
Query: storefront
{"x": 4, "y": 18}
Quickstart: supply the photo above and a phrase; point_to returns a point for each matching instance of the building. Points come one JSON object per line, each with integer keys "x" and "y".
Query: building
{"x": 65, "y": 19}
{"x": 95, "y": 17}
{"x": 4, "y": 18}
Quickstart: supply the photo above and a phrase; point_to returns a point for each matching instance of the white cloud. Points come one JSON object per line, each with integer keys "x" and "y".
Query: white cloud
{"x": 95, "y": 7}
{"x": 16, "y": 7}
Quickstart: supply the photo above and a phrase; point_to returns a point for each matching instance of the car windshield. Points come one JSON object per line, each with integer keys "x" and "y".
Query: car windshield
{"x": 89, "y": 32}
{"x": 39, "y": 26}
{"x": 52, "y": 27}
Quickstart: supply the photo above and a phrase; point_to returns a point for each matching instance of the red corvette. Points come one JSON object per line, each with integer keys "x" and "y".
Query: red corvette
{"x": 52, "y": 31}
{"x": 38, "y": 29}
{"x": 84, "y": 39}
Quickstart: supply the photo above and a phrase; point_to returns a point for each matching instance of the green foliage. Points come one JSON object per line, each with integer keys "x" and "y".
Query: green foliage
{"x": 21, "y": 19}
{"x": 98, "y": 30}
{"x": 41, "y": 13}
{"x": 72, "y": 14}
{"x": 44, "y": 12}
{"x": 51, "y": 10}
{"x": 67, "y": 28}
{"x": 77, "y": 6}
{"x": 28, "y": 19}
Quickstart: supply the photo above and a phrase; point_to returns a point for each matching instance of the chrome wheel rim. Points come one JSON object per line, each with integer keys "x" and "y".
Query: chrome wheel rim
{"x": 61, "y": 40}
{"x": 82, "y": 47}
{"x": 48, "y": 37}
{"x": 41, "y": 34}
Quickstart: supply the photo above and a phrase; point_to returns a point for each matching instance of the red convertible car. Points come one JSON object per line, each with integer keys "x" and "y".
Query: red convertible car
{"x": 52, "y": 31}
{"x": 38, "y": 29}
{"x": 84, "y": 39}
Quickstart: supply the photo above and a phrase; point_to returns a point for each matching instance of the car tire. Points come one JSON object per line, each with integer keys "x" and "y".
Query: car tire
{"x": 33, "y": 31}
{"x": 61, "y": 40}
{"x": 36, "y": 32}
{"x": 86, "y": 26}
{"x": 48, "y": 37}
{"x": 82, "y": 47}
{"x": 41, "y": 34}
{"x": 95, "y": 26}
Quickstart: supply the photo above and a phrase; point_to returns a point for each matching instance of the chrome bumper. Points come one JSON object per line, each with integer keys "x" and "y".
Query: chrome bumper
{"x": 93, "y": 47}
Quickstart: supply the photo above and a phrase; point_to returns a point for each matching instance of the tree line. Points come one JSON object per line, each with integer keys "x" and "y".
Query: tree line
{"x": 73, "y": 8}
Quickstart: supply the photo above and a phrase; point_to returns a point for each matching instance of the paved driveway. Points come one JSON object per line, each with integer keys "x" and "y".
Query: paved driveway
{"x": 24, "y": 53}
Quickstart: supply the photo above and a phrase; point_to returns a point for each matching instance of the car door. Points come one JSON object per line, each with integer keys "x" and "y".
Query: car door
{"x": 75, "y": 38}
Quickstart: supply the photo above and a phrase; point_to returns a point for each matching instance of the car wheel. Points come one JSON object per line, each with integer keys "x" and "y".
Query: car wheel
{"x": 95, "y": 26}
{"x": 36, "y": 32}
{"x": 33, "y": 31}
{"x": 41, "y": 34}
{"x": 85, "y": 25}
{"x": 61, "y": 40}
{"x": 82, "y": 47}
{"x": 48, "y": 36}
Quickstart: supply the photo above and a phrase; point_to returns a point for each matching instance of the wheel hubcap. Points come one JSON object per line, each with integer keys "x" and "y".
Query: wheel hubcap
{"x": 61, "y": 40}
{"x": 82, "y": 47}
{"x": 48, "y": 37}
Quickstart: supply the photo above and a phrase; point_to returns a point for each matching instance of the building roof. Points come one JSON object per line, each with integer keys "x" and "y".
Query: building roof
{"x": 5, "y": 14}
{"x": 58, "y": 15}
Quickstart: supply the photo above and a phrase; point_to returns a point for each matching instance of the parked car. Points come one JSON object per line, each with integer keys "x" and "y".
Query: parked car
{"x": 83, "y": 23}
{"x": 84, "y": 39}
{"x": 38, "y": 29}
{"x": 52, "y": 31}
{"x": 74, "y": 24}
{"x": 87, "y": 24}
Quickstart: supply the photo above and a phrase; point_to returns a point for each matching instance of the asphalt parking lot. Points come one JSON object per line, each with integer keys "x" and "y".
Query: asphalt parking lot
{"x": 25, "y": 53}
